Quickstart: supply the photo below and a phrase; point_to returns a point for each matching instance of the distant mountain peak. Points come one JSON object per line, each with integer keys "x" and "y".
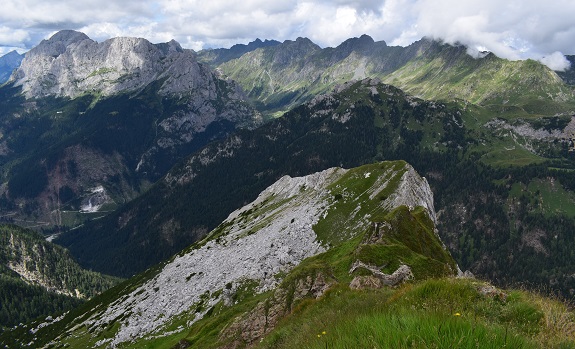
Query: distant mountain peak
{"x": 257, "y": 43}
{"x": 8, "y": 63}
{"x": 303, "y": 41}
{"x": 70, "y": 64}
{"x": 220, "y": 55}
{"x": 171, "y": 46}
{"x": 11, "y": 54}
{"x": 361, "y": 42}
{"x": 68, "y": 36}
{"x": 57, "y": 44}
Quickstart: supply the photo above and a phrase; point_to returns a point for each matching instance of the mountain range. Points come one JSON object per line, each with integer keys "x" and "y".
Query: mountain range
{"x": 132, "y": 154}
{"x": 285, "y": 75}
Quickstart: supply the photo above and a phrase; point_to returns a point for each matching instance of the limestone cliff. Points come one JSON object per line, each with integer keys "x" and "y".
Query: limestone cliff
{"x": 71, "y": 64}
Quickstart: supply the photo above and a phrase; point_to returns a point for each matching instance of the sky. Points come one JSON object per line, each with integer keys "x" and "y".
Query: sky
{"x": 514, "y": 29}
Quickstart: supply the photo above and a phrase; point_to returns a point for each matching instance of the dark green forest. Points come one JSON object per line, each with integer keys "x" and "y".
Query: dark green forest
{"x": 24, "y": 300}
{"x": 21, "y": 303}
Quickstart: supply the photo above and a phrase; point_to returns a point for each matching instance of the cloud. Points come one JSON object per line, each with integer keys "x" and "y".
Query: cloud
{"x": 13, "y": 38}
{"x": 556, "y": 61}
{"x": 511, "y": 29}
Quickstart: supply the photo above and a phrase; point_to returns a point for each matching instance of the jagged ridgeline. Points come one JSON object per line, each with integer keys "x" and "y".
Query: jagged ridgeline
{"x": 38, "y": 278}
{"x": 370, "y": 226}
{"x": 282, "y": 76}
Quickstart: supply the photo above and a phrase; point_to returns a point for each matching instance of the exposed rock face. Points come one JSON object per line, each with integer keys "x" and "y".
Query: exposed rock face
{"x": 254, "y": 325}
{"x": 26, "y": 266}
{"x": 413, "y": 191}
{"x": 402, "y": 274}
{"x": 257, "y": 244}
{"x": 70, "y": 64}
{"x": 530, "y": 137}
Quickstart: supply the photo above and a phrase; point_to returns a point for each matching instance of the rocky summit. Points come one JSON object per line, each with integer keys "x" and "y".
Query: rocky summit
{"x": 71, "y": 64}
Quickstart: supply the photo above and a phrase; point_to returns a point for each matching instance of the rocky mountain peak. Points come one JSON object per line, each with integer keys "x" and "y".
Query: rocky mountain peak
{"x": 67, "y": 36}
{"x": 70, "y": 64}
{"x": 290, "y": 50}
{"x": 257, "y": 43}
{"x": 221, "y": 55}
{"x": 357, "y": 44}
{"x": 304, "y": 43}
{"x": 57, "y": 43}
{"x": 171, "y": 46}
{"x": 11, "y": 58}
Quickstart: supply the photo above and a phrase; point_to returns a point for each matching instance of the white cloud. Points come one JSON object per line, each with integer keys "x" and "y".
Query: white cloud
{"x": 13, "y": 37}
{"x": 512, "y": 29}
{"x": 556, "y": 61}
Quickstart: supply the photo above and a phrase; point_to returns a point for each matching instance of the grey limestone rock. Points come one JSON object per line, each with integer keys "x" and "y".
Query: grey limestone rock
{"x": 70, "y": 64}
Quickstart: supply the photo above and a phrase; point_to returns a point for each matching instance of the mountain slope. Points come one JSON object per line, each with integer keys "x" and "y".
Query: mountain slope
{"x": 87, "y": 125}
{"x": 376, "y": 275}
{"x": 446, "y": 72}
{"x": 426, "y": 68}
{"x": 383, "y": 212}
{"x": 445, "y": 313}
{"x": 8, "y": 63}
{"x": 33, "y": 272}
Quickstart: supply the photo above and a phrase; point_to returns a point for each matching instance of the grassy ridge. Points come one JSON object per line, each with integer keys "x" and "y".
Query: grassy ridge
{"x": 437, "y": 313}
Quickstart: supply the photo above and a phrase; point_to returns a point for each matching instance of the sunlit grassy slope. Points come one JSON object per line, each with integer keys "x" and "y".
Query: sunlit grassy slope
{"x": 290, "y": 73}
{"x": 436, "y": 313}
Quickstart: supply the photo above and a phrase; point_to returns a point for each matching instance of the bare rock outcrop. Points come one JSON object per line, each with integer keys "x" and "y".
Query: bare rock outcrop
{"x": 403, "y": 273}
{"x": 250, "y": 327}
{"x": 70, "y": 64}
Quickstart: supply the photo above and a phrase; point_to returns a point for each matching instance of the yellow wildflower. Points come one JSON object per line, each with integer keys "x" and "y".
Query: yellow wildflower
{"x": 456, "y": 314}
{"x": 323, "y": 332}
